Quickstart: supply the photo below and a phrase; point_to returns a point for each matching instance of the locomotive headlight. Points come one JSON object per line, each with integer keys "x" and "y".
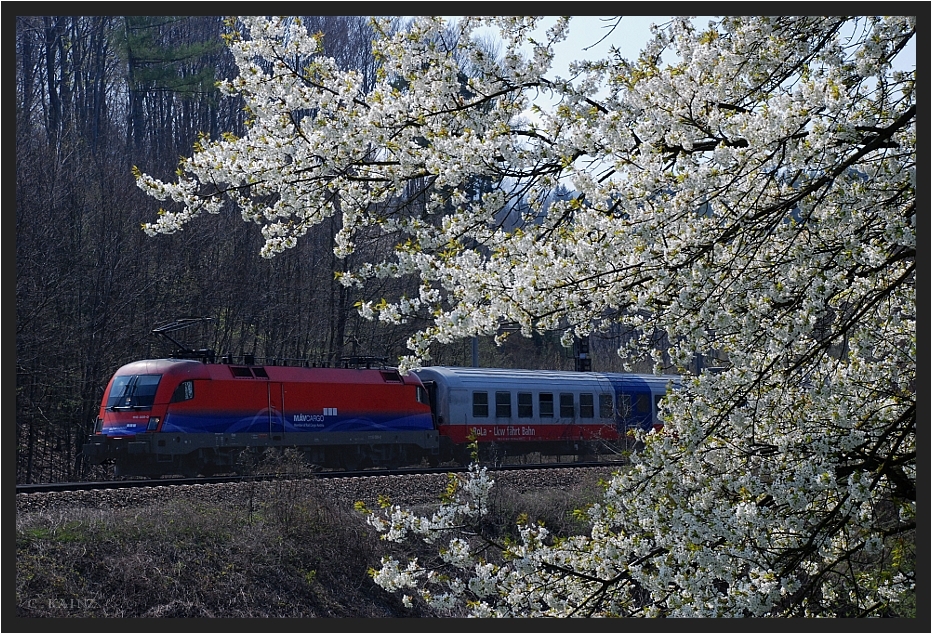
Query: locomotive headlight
{"x": 153, "y": 423}
{"x": 98, "y": 425}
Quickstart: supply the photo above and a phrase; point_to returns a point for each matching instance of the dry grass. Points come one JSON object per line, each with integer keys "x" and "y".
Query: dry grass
{"x": 281, "y": 558}
{"x": 276, "y": 549}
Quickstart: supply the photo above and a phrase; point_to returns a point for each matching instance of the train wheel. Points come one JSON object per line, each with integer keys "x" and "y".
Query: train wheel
{"x": 462, "y": 456}
{"x": 396, "y": 457}
{"x": 351, "y": 461}
{"x": 188, "y": 467}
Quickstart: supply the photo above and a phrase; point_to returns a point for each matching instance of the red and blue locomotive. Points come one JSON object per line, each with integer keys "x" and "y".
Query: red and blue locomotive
{"x": 184, "y": 416}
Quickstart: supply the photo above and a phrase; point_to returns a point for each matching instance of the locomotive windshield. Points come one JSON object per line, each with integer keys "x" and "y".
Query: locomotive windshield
{"x": 135, "y": 391}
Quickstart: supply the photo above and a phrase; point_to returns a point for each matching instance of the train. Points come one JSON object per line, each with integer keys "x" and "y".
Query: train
{"x": 514, "y": 413}
{"x": 196, "y": 417}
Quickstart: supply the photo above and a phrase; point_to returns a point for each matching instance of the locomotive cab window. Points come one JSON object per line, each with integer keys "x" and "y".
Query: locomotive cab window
{"x": 133, "y": 392}
{"x": 184, "y": 392}
{"x": 119, "y": 390}
{"x": 525, "y": 405}
{"x": 545, "y": 404}
{"x": 503, "y": 404}
{"x": 480, "y": 404}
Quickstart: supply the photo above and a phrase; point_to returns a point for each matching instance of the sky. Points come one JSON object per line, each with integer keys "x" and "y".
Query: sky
{"x": 586, "y": 31}
{"x": 585, "y": 41}
{"x": 592, "y": 37}
{"x": 630, "y": 36}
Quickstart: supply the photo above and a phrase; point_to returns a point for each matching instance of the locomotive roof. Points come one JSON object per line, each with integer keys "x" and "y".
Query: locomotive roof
{"x": 161, "y": 366}
{"x": 222, "y": 371}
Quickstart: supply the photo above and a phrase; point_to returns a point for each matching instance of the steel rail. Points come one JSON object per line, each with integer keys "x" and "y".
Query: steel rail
{"x": 62, "y": 487}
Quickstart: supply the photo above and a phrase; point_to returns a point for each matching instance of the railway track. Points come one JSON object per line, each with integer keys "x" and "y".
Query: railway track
{"x": 409, "y": 471}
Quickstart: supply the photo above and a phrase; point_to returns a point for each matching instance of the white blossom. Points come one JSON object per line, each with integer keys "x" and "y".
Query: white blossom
{"x": 745, "y": 192}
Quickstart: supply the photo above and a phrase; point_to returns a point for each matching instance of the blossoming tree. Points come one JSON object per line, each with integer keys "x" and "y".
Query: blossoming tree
{"x": 748, "y": 188}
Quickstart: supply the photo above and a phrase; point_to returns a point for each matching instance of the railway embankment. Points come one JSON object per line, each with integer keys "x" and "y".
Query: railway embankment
{"x": 293, "y": 548}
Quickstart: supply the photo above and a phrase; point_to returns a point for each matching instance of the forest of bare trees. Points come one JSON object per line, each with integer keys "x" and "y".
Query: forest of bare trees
{"x": 96, "y": 96}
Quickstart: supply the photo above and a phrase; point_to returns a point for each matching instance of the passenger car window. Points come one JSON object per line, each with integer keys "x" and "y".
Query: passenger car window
{"x": 525, "y": 405}
{"x": 642, "y": 404}
{"x": 586, "y": 406}
{"x": 545, "y": 403}
{"x": 567, "y": 406}
{"x": 605, "y": 406}
{"x": 503, "y": 404}
{"x": 624, "y": 406}
{"x": 480, "y": 404}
